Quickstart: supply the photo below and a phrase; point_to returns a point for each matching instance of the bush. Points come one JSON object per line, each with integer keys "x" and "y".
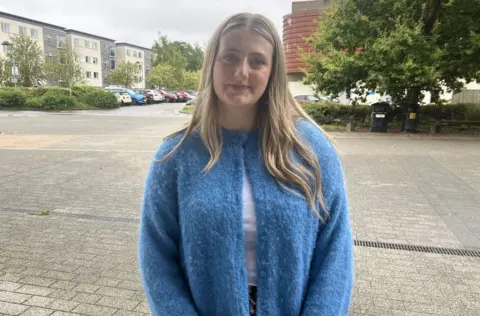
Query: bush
{"x": 329, "y": 112}
{"x": 81, "y": 91}
{"x": 12, "y": 98}
{"x": 326, "y": 112}
{"x": 457, "y": 111}
{"x": 56, "y": 100}
{"x": 41, "y": 91}
{"x": 34, "y": 103}
{"x": 100, "y": 99}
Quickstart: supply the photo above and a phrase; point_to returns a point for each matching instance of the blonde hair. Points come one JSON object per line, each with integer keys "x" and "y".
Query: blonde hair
{"x": 276, "y": 119}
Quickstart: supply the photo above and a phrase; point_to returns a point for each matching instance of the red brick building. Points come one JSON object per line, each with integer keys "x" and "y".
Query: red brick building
{"x": 298, "y": 25}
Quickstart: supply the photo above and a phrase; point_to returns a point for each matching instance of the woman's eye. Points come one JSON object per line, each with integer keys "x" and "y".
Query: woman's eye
{"x": 229, "y": 58}
{"x": 258, "y": 62}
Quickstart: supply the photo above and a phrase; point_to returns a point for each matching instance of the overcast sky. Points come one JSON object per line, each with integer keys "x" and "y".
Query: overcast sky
{"x": 139, "y": 21}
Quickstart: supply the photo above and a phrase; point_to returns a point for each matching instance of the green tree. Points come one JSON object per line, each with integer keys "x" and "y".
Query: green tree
{"x": 190, "y": 80}
{"x": 193, "y": 54}
{"x": 397, "y": 47}
{"x": 64, "y": 69}
{"x": 27, "y": 56}
{"x": 126, "y": 74}
{"x": 164, "y": 75}
{"x": 167, "y": 53}
{"x": 3, "y": 70}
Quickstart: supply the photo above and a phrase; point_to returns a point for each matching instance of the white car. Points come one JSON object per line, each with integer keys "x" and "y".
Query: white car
{"x": 157, "y": 96}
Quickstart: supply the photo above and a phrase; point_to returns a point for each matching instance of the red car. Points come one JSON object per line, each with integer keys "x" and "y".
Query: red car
{"x": 183, "y": 96}
{"x": 169, "y": 97}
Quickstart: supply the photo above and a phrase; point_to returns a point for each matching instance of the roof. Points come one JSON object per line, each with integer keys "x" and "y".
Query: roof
{"x": 70, "y": 31}
{"x": 131, "y": 45}
{"x": 13, "y": 16}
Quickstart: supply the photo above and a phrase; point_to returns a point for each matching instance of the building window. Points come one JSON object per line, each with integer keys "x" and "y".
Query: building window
{"x": 140, "y": 79}
{"x": 112, "y": 52}
{"x": 112, "y": 64}
{"x": 140, "y": 54}
{"x": 61, "y": 41}
{"x": 139, "y": 66}
{"x": 87, "y": 59}
{"x": 134, "y": 54}
{"x": 89, "y": 74}
{"x": 95, "y": 75}
{"x": 34, "y": 33}
{"x": 76, "y": 42}
{"x": 129, "y": 52}
{"x": 22, "y": 30}
{"x": 87, "y": 44}
{"x": 5, "y": 27}
{"x": 5, "y": 49}
{"x": 94, "y": 46}
{"x": 49, "y": 36}
{"x": 95, "y": 60}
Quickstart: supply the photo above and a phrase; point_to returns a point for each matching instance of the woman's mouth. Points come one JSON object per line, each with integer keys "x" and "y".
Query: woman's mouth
{"x": 239, "y": 87}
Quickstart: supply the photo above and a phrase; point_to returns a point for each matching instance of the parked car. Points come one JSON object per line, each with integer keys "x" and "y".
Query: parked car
{"x": 169, "y": 97}
{"x": 148, "y": 96}
{"x": 306, "y": 98}
{"x": 157, "y": 96}
{"x": 136, "y": 98}
{"x": 123, "y": 98}
{"x": 182, "y": 96}
{"x": 190, "y": 102}
{"x": 192, "y": 93}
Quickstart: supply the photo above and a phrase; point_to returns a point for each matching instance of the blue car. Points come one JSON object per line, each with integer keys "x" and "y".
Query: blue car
{"x": 136, "y": 98}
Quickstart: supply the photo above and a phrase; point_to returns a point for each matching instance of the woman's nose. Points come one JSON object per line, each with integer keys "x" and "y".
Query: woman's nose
{"x": 242, "y": 68}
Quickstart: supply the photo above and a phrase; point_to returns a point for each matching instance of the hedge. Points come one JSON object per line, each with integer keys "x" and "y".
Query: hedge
{"x": 100, "y": 99}
{"x": 327, "y": 112}
{"x": 12, "y": 98}
{"x": 56, "y": 98}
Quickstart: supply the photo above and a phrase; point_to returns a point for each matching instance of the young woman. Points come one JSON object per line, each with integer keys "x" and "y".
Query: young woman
{"x": 245, "y": 211}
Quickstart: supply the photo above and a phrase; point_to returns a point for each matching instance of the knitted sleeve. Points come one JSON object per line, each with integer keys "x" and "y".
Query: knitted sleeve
{"x": 332, "y": 268}
{"x": 162, "y": 277}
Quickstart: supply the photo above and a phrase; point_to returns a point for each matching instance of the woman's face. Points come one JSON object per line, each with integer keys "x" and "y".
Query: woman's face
{"x": 242, "y": 68}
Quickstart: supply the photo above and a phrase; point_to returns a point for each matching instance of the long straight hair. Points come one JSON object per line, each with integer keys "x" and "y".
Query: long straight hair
{"x": 277, "y": 115}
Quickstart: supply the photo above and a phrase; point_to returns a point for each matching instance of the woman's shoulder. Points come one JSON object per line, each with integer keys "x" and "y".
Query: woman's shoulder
{"x": 177, "y": 145}
{"x": 168, "y": 145}
{"x": 317, "y": 139}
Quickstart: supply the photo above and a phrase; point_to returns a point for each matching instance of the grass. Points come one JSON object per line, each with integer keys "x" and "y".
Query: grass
{"x": 187, "y": 109}
{"x": 43, "y": 212}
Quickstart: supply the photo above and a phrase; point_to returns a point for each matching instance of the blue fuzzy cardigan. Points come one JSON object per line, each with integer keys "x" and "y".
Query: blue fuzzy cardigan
{"x": 191, "y": 247}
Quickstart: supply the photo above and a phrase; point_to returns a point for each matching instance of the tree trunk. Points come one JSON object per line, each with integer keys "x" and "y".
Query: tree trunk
{"x": 430, "y": 16}
{"x": 413, "y": 95}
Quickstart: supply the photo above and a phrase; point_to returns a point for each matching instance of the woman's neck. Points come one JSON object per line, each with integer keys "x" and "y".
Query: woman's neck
{"x": 241, "y": 119}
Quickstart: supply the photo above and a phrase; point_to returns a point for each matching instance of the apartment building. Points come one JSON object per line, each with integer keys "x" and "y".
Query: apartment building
{"x": 12, "y": 24}
{"x": 138, "y": 55}
{"x": 94, "y": 53}
{"x": 97, "y": 55}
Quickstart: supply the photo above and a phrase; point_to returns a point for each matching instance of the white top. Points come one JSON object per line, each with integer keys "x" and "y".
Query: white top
{"x": 250, "y": 228}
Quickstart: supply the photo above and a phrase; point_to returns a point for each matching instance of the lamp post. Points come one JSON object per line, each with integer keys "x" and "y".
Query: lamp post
{"x": 6, "y": 44}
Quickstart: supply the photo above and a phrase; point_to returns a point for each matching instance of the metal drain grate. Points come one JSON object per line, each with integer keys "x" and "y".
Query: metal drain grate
{"x": 418, "y": 248}
{"x": 358, "y": 243}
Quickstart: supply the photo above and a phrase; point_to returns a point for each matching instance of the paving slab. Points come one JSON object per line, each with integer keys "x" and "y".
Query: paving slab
{"x": 81, "y": 257}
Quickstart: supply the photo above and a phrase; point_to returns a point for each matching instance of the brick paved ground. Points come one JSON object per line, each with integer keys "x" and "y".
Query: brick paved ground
{"x": 89, "y": 171}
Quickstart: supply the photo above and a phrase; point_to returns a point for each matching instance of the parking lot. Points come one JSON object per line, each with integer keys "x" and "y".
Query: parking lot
{"x": 71, "y": 185}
